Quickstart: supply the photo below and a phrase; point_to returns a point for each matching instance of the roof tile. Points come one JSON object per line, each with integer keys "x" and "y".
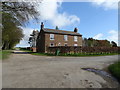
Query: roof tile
{"x": 60, "y": 32}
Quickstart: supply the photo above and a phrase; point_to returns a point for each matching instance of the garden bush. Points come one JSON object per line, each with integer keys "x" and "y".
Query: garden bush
{"x": 115, "y": 70}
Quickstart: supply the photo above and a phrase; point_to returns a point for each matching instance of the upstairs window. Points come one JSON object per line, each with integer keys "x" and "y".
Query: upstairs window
{"x": 51, "y": 36}
{"x": 65, "y": 37}
{"x": 75, "y": 38}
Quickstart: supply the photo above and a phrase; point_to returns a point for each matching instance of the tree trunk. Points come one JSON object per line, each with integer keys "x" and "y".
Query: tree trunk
{"x": 4, "y": 46}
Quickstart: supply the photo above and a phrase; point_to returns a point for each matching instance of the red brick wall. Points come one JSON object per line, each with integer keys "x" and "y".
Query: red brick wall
{"x": 40, "y": 45}
{"x": 60, "y": 39}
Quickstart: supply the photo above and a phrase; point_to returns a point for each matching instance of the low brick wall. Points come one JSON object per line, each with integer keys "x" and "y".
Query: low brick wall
{"x": 78, "y": 49}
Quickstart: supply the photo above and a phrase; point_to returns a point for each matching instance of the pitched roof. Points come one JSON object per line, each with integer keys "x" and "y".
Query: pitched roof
{"x": 60, "y": 32}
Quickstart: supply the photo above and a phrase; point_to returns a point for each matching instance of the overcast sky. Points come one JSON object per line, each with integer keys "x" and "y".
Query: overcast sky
{"x": 96, "y": 18}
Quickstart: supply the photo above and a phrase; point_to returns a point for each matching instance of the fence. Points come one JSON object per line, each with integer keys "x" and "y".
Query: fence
{"x": 79, "y": 49}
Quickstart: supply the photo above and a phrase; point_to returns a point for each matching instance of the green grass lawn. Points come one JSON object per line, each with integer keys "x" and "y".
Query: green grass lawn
{"x": 115, "y": 70}
{"x": 25, "y": 50}
{"x": 4, "y": 54}
{"x": 43, "y": 54}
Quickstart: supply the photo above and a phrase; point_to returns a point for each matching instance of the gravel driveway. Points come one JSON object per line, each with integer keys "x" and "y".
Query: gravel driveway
{"x": 24, "y": 70}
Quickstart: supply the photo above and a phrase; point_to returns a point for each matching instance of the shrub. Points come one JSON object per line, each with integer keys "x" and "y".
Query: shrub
{"x": 115, "y": 70}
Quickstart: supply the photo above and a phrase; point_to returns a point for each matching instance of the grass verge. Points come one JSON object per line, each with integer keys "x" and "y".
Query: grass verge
{"x": 4, "y": 54}
{"x": 25, "y": 50}
{"x": 43, "y": 54}
{"x": 0, "y": 54}
{"x": 115, "y": 70}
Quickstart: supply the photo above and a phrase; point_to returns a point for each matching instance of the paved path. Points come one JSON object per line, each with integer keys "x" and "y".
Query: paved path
{"x": 23, "y": 70}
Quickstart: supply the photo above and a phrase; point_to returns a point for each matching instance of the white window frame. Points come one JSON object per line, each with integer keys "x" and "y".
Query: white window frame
{"x": 75, "y": 44}
{"x": 51, "y": 36}
{"x": 59, "y": 44}
{"x": 65, "y": 37}
{"x": 75, "y": 38}
{"x": 65, "y": 44}
{"x": 51, "y": 45}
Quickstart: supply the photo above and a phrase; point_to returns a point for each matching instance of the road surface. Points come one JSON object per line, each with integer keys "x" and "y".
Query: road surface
{"x": 23, "y": 70}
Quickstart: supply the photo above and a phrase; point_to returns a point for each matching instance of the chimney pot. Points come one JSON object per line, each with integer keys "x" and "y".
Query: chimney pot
{"x": 42, "y": 25}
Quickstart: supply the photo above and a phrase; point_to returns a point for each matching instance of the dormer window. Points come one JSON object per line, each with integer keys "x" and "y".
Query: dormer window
{"x": 51, "y": 36}
{"x": 65, "y": 38}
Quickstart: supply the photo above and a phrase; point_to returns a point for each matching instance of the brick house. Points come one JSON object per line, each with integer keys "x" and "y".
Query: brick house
{"x": 52, "y": 37}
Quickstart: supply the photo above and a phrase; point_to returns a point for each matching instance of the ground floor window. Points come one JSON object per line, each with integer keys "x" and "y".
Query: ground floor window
{"x": 59, "y": 44}
{"x": 75, "y": 45}
{"x": 51, "y": 44}
{"x": 65, "y": 44}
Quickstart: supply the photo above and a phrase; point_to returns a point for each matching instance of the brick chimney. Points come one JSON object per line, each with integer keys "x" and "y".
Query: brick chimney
{"x": 76, "y": 30}
{"x": 42, "y": 25}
